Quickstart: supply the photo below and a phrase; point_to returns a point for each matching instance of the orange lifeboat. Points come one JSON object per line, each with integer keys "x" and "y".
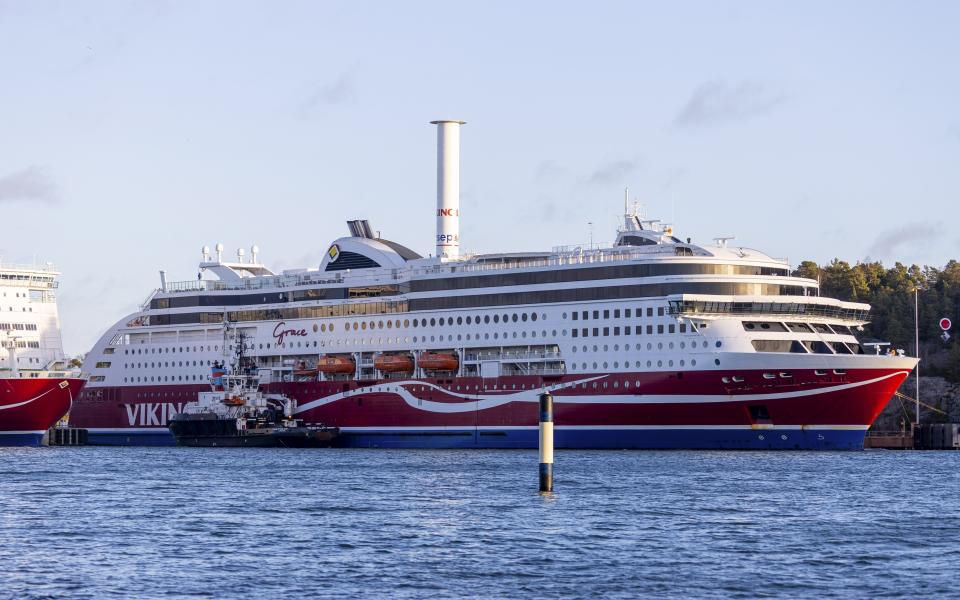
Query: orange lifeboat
{"x": 302, "y": 369}
{"x": 336, "y": 365}
{"x": 234, "y": 401}
{"x": 438, "y": 361}
{"x": 393, "y": 363}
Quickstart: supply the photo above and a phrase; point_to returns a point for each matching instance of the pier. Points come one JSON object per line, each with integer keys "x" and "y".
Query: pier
{"x": 928, "y": 436}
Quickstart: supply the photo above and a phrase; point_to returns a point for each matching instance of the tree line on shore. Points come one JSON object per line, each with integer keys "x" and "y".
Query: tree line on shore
{"x": 890, "y": 293}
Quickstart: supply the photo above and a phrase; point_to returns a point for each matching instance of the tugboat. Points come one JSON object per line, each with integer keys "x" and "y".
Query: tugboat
{"x": 236, "y": 413}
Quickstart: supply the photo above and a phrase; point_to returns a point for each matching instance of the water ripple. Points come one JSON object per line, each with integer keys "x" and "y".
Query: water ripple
{"x": 245, "y": 523}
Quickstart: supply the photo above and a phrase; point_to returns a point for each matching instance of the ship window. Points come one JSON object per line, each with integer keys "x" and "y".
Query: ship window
{"x": 606, "y": 314}
{"x": 659, "y": 311}
{"x": 659, "y": 328}
{"x": 626, "y": 313}
{"x": 616, "y": 331}
{"x": 574, "y": 315}
{"x": 596, "y": 314}
{"x": 778, "y": 346}
{"x": 650, "y": 329}
{"x": 671, "y": 328}
{"x": 574, "y": 333}
{"x": 523, "y": 317}
{"x": 606, "y": 331}
{"x": 514, "y": 317}
{"x": 585, "y": 315}
{"x": 817, "y": 347}
{"x": 649, "y": 311}
{"x": 839, "y": 347}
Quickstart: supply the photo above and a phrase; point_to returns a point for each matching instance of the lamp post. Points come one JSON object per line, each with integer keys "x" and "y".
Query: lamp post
{"x": 916, "y": 339}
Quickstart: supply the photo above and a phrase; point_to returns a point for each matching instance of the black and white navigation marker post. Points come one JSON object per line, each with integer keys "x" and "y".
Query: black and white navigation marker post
{"x": 546, "y": 443}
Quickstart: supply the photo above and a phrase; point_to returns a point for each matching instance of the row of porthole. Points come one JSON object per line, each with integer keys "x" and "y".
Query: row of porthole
{"x": 433, "y": 338}
{"x": 161, "y": 365}
{"x": 162, "y": 350}
{"x": 626, "y": 365}
{"x": 616, "y": 347}
{"x": 161, "y": 378}
{"x": 434, "y": 322}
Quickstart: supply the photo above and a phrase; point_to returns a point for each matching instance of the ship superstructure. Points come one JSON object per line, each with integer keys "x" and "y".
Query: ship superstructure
{"x": 652, "y": 341}
{"x": 37, "y": 385}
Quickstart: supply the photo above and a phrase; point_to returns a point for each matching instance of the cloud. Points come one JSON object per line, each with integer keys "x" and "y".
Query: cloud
{"x": 32, "y": 184}
{"x": 717, "y": 102}
{"x": 548, "y": 171}
{"x": 614, "y": 171}
{"x": 339, "y": 91}
{"x": 888, "y": 241}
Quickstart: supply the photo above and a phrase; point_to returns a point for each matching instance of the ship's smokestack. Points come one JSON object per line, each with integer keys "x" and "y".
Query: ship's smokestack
{"x": 448, "y": 188}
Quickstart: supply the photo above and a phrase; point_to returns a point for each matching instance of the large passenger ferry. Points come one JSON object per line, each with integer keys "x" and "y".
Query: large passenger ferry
{"x": 650, "y": 342}
{"x": 37, "y": 386}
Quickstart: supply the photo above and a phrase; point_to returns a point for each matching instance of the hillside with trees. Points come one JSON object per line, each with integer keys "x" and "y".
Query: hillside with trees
{"x": 890, "y": 293}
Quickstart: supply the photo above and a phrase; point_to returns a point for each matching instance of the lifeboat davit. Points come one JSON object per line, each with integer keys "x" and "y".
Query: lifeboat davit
{"x": 438, "y": 361}
{"x": 336, "y": 365}
{"x": 393, "y": 363}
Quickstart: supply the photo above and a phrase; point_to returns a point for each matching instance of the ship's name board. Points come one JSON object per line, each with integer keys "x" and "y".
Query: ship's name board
{"x": 150, "y": 414}
{"x": 279, "y": 333}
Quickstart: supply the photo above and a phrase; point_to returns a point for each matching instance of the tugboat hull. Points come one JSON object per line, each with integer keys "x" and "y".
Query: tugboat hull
{"x": 209, "y": 433}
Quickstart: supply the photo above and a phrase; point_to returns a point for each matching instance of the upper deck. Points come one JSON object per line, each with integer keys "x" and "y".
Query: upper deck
{"x": 28, "y": 276}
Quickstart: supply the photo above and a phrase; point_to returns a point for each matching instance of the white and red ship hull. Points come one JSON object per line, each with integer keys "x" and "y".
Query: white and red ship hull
{"x": 30, "y": 406}
{"x": 803, "y": 409}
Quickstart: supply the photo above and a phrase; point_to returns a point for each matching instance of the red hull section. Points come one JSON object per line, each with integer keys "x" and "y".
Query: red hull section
{"x": 30, "y": 406}
{"x": 801, "y": 399}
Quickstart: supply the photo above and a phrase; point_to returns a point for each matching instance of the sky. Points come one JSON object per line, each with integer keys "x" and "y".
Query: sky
{"x": 134, "y": 133}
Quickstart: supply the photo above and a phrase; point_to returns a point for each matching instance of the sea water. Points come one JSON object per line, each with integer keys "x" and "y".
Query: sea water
{"x": 251, "y": 523}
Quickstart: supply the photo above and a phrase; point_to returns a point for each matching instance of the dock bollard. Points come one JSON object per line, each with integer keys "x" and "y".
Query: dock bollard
{"x": 546, "y": 443}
